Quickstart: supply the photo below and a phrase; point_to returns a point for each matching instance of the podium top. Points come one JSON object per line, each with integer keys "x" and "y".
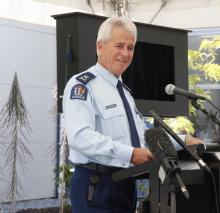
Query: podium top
{"x": 135, "y": 171}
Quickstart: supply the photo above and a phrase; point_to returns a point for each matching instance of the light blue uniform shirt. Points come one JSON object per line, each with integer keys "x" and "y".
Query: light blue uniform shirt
{"x": 97, "y": 126}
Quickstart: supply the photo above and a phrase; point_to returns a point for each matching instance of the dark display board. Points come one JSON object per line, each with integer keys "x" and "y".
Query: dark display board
{"x": 160, "y": 58}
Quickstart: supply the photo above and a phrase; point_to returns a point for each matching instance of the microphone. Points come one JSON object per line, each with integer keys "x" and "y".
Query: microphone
{"x": 170, "y": 89}
{"x": 159, "y": 143}
{"x": 164, "y": 151}
{"x": 180, "y": 142}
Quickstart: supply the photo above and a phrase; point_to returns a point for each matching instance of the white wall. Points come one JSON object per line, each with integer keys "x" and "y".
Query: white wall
{"x": 30, "y": 50}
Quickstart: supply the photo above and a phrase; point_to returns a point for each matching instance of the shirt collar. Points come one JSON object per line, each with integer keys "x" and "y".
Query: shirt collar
{"x": 107, "y": 75}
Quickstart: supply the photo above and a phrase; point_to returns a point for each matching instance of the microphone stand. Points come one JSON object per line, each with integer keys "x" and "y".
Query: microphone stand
{"x": 213, "y": 117}
{"x": 180, "y": 142}
{"x": 171, "y": 168}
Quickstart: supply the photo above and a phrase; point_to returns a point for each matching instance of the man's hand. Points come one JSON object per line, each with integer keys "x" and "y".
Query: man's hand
{"x": 189, "y": 140}
{"x": 140, "y": 156}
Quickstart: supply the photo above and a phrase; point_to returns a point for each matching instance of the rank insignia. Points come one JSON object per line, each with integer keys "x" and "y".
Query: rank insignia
{"x": 85, "y": 77}
{"x": 79, "y": 91}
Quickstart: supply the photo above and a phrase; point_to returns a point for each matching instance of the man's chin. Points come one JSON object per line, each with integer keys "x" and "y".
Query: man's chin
{"x": 119, "y": 72}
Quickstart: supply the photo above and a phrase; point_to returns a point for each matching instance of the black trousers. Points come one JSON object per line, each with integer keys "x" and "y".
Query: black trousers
{"x": 109, "y": 196}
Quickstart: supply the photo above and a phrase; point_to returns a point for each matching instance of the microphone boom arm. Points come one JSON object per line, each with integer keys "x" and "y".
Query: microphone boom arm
{"x": 214, "y": 118}
{"x": 180, "y": 142}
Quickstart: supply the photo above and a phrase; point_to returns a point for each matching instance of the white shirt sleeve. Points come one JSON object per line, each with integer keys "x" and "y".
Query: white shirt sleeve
{"x": 80, "y": 123}
{"x": 175, "y": 143}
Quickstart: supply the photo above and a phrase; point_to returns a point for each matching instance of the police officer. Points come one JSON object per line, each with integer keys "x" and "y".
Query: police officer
{"x": 104, "y": 128}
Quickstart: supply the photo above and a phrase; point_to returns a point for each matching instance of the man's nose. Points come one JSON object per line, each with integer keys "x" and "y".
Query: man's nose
{"x": 125, "y": 51}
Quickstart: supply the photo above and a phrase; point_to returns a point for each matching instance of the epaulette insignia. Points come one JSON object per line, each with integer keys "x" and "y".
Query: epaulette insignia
{"x": 85, "y": 77}
{"x": 79, "y": 91}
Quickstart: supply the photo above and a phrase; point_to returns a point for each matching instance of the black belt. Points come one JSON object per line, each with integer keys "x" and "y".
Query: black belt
{"x": 99, "y": 168}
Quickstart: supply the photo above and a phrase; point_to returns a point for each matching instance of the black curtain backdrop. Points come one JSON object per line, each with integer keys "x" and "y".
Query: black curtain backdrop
{"x": 151, "y": 70}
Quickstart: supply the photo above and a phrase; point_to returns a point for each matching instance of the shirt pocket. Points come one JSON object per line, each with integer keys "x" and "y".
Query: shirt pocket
{"x": 113, "y": 123}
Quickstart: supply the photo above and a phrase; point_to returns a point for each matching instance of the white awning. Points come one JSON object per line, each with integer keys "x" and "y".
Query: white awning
{"x": 187, "y": 14}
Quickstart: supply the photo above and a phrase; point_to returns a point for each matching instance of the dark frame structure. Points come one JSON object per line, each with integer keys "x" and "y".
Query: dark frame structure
{"x": 76, "y": 51}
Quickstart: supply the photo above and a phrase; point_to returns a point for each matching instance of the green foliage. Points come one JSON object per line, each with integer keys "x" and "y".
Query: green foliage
{"x": 66, "y": 168}
{"x": 180, "y": 124}
{"x": 212, "y": 72}
{"x": 202, "y": 63}
{"x": 194, "y": 79}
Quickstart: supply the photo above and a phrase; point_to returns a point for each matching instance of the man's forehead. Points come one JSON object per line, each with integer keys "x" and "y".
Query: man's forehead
{"x": 122, "y": 41}
{"x": 121, "y": 32}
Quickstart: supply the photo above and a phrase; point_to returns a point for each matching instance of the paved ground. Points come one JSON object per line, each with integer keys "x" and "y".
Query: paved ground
{"x": 31, "y": 204}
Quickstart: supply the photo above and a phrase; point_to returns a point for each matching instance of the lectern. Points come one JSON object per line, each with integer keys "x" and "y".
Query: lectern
{"x": 197, "y": 181}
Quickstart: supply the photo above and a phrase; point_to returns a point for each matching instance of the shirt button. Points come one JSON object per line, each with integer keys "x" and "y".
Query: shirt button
{"x": 123, "y": 164}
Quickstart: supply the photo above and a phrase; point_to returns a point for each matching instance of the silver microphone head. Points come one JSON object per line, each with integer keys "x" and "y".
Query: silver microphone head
{"x": 169, "y": 89}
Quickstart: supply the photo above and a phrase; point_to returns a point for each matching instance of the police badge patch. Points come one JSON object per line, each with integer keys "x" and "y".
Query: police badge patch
{"x": 79, "y": 91}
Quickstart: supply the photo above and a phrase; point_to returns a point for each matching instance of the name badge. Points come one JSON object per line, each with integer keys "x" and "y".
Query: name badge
{"x": 111, "y": 106}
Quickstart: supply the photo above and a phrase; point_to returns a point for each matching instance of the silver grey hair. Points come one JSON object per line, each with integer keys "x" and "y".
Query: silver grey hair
{"x": 106, "y": 27}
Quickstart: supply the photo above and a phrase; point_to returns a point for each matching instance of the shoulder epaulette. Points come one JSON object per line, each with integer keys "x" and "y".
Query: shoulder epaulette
{"x": 85, "y": 77}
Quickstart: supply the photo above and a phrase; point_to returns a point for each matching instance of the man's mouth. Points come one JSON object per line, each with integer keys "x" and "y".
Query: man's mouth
{"x": 122, "y": 61}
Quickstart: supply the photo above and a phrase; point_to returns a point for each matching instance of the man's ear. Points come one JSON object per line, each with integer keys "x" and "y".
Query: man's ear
{"x": 99, "y": 46}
